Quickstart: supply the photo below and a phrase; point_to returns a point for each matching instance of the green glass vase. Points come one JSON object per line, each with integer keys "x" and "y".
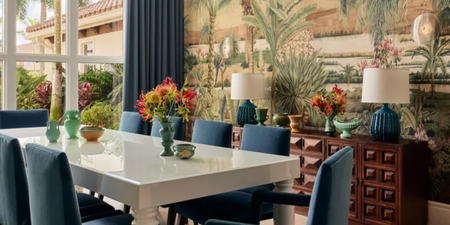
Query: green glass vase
{"x": 72, "y": 122}
{"x": 167, "y": 132}
{"x": 53, "y": 132}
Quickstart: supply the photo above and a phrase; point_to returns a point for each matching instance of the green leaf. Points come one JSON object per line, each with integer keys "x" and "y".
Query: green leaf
{"x": 297, "y": 17}
{"x": 280, "y": 13}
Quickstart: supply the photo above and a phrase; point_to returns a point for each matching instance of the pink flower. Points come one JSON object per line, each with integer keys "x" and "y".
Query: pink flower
{"x": 362, "y": 65}
{"x": 376, "y": 63}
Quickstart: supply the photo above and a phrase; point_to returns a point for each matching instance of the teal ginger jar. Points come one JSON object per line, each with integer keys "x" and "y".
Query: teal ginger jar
{"x": 72, "y": 123}
{"x": 167, "y": 132}
{"x": 53, "y": 131}
{"x": 385, "y": 125}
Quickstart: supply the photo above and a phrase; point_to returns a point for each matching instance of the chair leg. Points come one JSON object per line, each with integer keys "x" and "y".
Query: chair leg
{"x": 100, "y": 196}
{"x": 92, "y": 193}
{"x": 181, "y": 220}
{"x": 171, "y": 216}
{"x": 126, "y": 209}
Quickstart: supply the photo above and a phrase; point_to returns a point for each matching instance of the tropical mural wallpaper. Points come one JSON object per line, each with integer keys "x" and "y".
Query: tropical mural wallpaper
{"x": 306, "y": 46}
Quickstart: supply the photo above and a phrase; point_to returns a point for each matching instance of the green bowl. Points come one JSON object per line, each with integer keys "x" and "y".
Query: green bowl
{"x": 346, "y": 127}
{"x": 184, "y": 151}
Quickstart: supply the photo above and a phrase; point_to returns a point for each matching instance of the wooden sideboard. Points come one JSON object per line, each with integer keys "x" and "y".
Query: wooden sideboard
{"x": 389, "y": 183}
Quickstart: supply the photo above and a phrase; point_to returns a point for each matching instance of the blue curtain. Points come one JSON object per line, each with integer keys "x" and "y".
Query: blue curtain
{"x": 153, "y": 46}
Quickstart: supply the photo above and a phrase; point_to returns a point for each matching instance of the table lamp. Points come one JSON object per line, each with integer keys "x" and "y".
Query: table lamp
{"x": 247, "y": 86}
{"x": 385, "y": 86}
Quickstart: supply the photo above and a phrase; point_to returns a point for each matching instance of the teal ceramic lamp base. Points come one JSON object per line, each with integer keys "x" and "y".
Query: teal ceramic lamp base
{"x": 385, "y": 125}
{"x": 246, "y": 113}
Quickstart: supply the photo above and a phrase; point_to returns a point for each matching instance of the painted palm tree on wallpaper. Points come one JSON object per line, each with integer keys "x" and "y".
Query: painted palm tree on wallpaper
{"x": 213, "y": 7}
{"x": 348, "y": 71}
{"x": 434, "y": 54}
{"x": 279, "y": 24}
{"x": 443, "y": 7}
{"x": 378, "y": 17}
{"x": 250, "y": 36}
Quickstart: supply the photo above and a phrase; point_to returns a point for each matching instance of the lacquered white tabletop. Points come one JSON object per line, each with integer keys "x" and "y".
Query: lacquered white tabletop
{"x": 128, "y": 168}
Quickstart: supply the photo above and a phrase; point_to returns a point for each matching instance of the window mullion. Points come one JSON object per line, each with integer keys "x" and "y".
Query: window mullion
{"x": 72, "y": 52}
{"x": 9, "y": 77}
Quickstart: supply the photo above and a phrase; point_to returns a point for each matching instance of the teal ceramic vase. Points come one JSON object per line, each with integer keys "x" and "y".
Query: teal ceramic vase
{"x": 280, "y": 119}
{"x": 167, "y": 132}
{"x": 72, "y": 122}
{"x": 385, "y": 125}
{"x": 184, "y": 151}
{"x": 261, "y": 116}
{"x": 346, "y": 127}
{"x": 246, "y": 113}
{"x": 53, "y": 132}
{"x": 329, "y": 125}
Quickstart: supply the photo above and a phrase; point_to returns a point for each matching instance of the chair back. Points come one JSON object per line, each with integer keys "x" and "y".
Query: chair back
{"x": 132, "y": 122}
{"x": 23, "y": 118}
{"x": 331, "y": 192}
{"x": 271, "y": 140}
{"x": 178, "y": 126}
{"x": 212, "y": 133}
{"x": 52, "y": 194}
{"x": 14, "y": 202}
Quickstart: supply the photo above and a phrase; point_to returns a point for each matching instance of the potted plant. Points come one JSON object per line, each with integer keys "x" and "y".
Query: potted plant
{"x": 162, "y": 104}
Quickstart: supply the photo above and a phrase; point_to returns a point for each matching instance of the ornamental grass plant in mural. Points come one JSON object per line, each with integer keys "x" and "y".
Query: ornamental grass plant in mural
{"x": 308, "y": 46}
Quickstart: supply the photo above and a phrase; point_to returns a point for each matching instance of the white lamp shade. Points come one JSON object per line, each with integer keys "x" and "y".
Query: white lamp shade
{"x": 385, "y": 85}
{"x": 247, "y": 86}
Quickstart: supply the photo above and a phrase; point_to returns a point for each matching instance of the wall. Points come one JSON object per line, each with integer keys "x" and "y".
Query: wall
{"x": 342, "y": 42}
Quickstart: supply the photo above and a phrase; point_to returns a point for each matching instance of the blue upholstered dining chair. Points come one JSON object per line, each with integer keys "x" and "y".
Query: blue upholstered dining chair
{"x": 236, "y": 205}
{"x": 15, "y": 193}
{"x": 14, "y": 205}
{"x": 212, "y": 133}
{"x": 328, "y": 204}
{"x": 132, "y": 122}
{"x": 53, "y": 199}
{"x": 178, "y": 125}
{"x": 23, "y": 118}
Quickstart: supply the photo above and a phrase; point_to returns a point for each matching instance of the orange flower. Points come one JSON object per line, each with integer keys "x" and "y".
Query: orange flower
{"x": 161, "y": 91}
{"x": 341, "y": 100}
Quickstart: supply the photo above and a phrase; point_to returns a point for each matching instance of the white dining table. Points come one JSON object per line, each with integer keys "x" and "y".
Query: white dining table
{"x": 127, "y": 167}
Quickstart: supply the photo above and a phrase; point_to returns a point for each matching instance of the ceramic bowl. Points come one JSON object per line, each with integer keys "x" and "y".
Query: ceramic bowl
{"x": 184, "y": 151}
{"x": 346, "y": 127}
{"x": 91, "y": 133}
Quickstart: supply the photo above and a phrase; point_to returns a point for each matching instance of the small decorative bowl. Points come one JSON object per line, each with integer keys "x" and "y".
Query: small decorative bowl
{"x": 184, "y": 151}
{"x": 346, "y": 127}
{"x": 91, "y": 133}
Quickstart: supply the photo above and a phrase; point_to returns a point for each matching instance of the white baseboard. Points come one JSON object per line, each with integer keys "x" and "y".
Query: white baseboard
{"x": 438, "y": 213}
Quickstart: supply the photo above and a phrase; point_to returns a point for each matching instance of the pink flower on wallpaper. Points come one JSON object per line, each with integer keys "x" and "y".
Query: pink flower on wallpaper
{"x": 376, "y": 63}
{"x": 396, "y": 52}
{"x": 362, "y": 65}
{"x": 386, "y": 44}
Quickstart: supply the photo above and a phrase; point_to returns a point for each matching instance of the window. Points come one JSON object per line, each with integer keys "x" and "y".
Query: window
{"x": 37, "y": 47}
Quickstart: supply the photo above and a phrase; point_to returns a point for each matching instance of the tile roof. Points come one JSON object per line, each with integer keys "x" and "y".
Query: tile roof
{"x": 83, "y": 12}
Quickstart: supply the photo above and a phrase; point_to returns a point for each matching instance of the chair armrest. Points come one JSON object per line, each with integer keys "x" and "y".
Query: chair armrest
{"x": 221, "y": 222}
{"x": 261, "y": 196}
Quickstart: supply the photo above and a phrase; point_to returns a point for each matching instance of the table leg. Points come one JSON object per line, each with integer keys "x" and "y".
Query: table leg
{"x": 146, "y": 216}
{"x": 284, "y": 214}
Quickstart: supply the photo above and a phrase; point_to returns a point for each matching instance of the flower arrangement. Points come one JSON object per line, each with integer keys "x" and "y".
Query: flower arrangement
{"x": 164, "y": 101}
{"x": 330, "y": 103}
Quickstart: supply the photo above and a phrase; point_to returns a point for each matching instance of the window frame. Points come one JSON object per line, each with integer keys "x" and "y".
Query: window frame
{"x": 10, "y": 57}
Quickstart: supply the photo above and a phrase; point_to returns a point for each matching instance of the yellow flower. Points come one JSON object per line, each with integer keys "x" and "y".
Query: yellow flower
{"x": 154, "y": 98}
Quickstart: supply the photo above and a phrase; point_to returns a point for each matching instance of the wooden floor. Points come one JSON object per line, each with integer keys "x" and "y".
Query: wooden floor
{"x": 299, "y": 220}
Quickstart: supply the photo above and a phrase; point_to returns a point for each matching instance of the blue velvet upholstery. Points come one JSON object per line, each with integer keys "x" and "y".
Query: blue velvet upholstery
{"x": 14, "y": 205}
{"x": 53, "y": 199}
{"x": 178, "y": 126}
{"x": 23, "y": 118}
{"x": 132, "y": 122}
{"x": 212, "y": 133}
{"x": 328, "y": 205}
{"x": 236, "y": 205}
{"x": 221, "y": 222}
